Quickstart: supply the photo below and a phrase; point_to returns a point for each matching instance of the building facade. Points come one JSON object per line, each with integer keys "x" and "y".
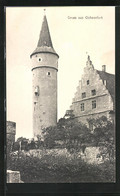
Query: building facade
{"x": 95, "y": 95}
{"x": 44, "y": 89}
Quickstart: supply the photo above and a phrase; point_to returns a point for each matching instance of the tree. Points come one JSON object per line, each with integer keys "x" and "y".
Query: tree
{"x": 74, "y": 135}
{"x": 50, "y": 135}
{"x": 78, "y": 136}
{"x": 104, "y": 137}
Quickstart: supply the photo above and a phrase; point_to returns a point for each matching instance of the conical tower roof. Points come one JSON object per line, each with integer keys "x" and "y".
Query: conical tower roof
{"x": 45, "y": 38}
{"x": 44, "y": 43}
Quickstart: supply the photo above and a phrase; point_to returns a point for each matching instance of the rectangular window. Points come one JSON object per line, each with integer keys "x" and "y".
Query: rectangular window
{"x": 83, "y": 95}
{"x": 88, "y": 82}
{"x": 104, "y": 82}
{"x": 93, "y": 104}
{"x": 93, "y": 92}
{"x": 82, "y": 106}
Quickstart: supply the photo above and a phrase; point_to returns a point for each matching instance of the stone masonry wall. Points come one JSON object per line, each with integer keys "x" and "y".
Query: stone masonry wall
{"x": 10, "y": 134}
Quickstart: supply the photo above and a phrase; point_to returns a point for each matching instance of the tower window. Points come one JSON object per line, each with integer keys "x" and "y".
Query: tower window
{"x": 39, "y": 59}
{"x": 93, "y": 92}
{"x": 93, "y": 104}
{"x": 88, "y": 82}
{"x": 37, "y": 90}
{"x": 82, "y": 106}
{"x": 48, "y": 73}
{"x": 83, "y": 95}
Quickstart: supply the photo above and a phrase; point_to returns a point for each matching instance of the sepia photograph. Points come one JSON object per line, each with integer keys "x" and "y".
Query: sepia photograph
{"x": 60, "y": 92}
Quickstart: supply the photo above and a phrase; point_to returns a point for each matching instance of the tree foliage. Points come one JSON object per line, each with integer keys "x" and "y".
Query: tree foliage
{"x": 73, "y": 135}
{"x": 104, "y": 137}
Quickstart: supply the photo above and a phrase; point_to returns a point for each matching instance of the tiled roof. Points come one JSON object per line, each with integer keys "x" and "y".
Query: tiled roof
{"x": 110, "y": 82}
{"x": 44, "y": 42}
{"x": 44, "y": 49}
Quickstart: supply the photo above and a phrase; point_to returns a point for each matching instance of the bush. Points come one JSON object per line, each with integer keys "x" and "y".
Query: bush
{"x": 104, "y": 136}
{"x": 53, "y": 168}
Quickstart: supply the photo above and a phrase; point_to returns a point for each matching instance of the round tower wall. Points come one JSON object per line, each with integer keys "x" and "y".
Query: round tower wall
{"x": 44, "y": 59}
{"x": 44, "y": 91}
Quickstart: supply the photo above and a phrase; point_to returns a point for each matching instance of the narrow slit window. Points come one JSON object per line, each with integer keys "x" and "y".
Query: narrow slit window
{"x": 37, "y": 90}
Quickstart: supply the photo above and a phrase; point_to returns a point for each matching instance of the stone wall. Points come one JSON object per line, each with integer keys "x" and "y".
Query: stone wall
{"x": 10, "y": 135}
{"x": 13, "y": 177}
{"x": 90, "y": 155}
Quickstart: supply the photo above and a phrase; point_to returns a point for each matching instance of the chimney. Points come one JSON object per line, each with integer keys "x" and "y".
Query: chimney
{"x": 104, "y": 68}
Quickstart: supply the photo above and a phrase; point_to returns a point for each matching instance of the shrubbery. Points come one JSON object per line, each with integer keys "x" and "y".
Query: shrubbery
{"x": 75, "y": 137}
{"x": 51, "y": 168}
{"x": 104, "y": 137}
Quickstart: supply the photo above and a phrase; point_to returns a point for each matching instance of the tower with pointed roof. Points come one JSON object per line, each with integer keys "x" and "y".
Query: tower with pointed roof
{"x": 44, "y": 84}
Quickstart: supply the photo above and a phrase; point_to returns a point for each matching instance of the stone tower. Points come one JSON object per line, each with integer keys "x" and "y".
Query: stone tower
{"x": 44, "y": 85}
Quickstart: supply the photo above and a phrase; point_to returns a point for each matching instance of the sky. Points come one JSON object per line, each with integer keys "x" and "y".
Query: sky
{"x": 74, "y": 36}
